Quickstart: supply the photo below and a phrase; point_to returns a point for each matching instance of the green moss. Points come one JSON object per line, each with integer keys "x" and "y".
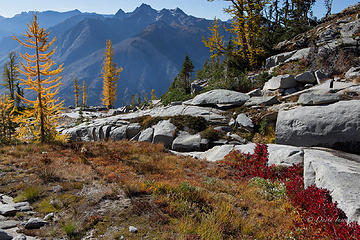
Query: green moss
{"x": 45, "y": 207}
{"x": 30, "y": 194}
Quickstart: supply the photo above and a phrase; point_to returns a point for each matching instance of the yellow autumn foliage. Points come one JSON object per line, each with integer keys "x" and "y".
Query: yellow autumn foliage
{"x": 84, "y": 94}
{"x": 110, "y": 75}
{"x": 247, "y": 28}
{"x": 39, "y": 120}
{"x": 6, "y": 118}
{"x": 215, "y": 42}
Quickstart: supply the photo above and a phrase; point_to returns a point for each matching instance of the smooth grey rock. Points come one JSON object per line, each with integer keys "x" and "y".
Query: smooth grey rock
{"x": 278, "y": 59}
{"x": 306, "y": 77}
{"x": 352, "y": 73}
{"x": 20, "y": 237}
{"x": 35, "y": 223}
{"x": 255, "y": 93}
{"x": 236, "y": 137}
{"x": 186, "y": 142}
{"x": 133, "y": 229}
{"x": 244, "y": 121}
{"x": 164, "y": 132}
{"x": 223, "y": 129}
{"x": 283, "y": 155}
{"x": 337, "y": 172}
{"x": 146, "y": 135}
{"x": 49, "y": 216}
{"x": 309, "y": 99}
{"x": 232, "y": 123}
{"x": 298, "y": 55}
{"x": 132, "y": 130}
{"x": 8, "y": 224}
{"x": 258, "y": 101}
{"x": 22, "y": 206}
{"x": 176, "y": 103}
{"x": 349, "y": 29}
{"x": 320, "y": 76}
{"x": 280, "y": 155}
{"x": 7, "y": 210}
{"x": 118, "y": 133}
{"x": 4, "y": 235}
{"x": 336, "y": 126}
{"x": 6, "y": 199}
{"x": 219, "y": 142}
{"x": 281, "y": 81}
{"x": 220, "y": 96}
{"x": 289, "y": 91}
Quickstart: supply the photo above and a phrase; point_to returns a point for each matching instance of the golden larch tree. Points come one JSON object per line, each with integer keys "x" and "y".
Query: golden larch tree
{"x": 247, "y": 28}
{"x": 38, "y": 122}
{"x": 7, "y": 126}
{"x": 76, "y": 92}
{"x": 84, "y": 94}
{"x": 110, "y": 75}
{"x": 215, "y": 42}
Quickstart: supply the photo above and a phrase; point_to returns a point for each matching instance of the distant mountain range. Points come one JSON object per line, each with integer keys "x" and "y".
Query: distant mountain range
{"x": 150, "y": 45}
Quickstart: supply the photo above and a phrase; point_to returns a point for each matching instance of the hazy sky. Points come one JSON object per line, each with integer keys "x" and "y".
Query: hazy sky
{"x": 198, "y": 8}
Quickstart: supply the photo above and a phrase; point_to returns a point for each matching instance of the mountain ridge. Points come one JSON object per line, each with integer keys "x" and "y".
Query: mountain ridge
{"x": 168, "y": 34}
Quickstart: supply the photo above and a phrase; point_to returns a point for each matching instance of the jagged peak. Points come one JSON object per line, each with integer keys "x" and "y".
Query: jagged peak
{"x": 144, "y": 8}
{"x": 120, "y": 12}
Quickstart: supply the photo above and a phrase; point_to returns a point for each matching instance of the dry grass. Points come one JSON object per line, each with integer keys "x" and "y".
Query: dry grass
{"x": 108, "y": 186}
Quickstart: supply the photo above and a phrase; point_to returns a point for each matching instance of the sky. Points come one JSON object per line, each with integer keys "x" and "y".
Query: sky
{"x": 197, "y": 8}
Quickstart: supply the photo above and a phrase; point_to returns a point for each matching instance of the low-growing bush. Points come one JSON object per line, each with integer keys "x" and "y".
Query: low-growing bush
{"x": 211, "y": 134}
{"x": 319, "y": 216}
{"x": 189, "y": 123}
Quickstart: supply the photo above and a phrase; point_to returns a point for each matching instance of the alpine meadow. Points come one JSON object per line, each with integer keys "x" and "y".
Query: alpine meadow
{"x": 239, "y": 119}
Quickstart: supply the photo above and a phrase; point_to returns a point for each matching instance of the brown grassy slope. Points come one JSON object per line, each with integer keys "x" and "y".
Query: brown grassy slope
{"x": 105, "y": 187}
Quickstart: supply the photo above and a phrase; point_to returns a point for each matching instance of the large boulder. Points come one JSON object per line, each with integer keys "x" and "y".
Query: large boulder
{"x": 335, "y": 126}
{"x": 280, "y": 82}
{"x": 146, "y": 135}
{"x": 132, "y": 130}
{"x": 186, "y": 142}
{"x": 299, "y": 55}
{"x": 337, "y": 172}
{"x": 119, "y": 133}
{"x": 317, "y": 99}
{"x": 164, "y": 133}
{"x": 306, "y": 77}
{"x": 220, "y": 96}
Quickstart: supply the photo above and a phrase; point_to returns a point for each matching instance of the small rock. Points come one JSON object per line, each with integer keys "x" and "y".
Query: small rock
{"x": 306, "y": 77}
{"x": 7, "y": 210}
{"x": 49, "y": 216}
{"x": 320, "y": 76}
{"x": 35, "y": 223}
{"x": 244, "y": 121}
{"x": 255, "y": 93}
{"x": 309, "y": 99}
{"x": 57, "y": 188}
{"x": 265, "y": 100}
{"x": 223, "y": 129}
{"x": 4, "y": 235}
{"x": 282, "y": 81}
{"x": 133, "y": 229}
{"x": 8, "y": 224}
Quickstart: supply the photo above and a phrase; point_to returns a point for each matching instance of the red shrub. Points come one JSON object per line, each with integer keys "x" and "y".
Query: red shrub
{"x": 319, "y": 215}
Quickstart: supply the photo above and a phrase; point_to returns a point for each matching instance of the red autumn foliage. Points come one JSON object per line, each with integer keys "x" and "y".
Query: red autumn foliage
{"x": 320, "y": 217}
